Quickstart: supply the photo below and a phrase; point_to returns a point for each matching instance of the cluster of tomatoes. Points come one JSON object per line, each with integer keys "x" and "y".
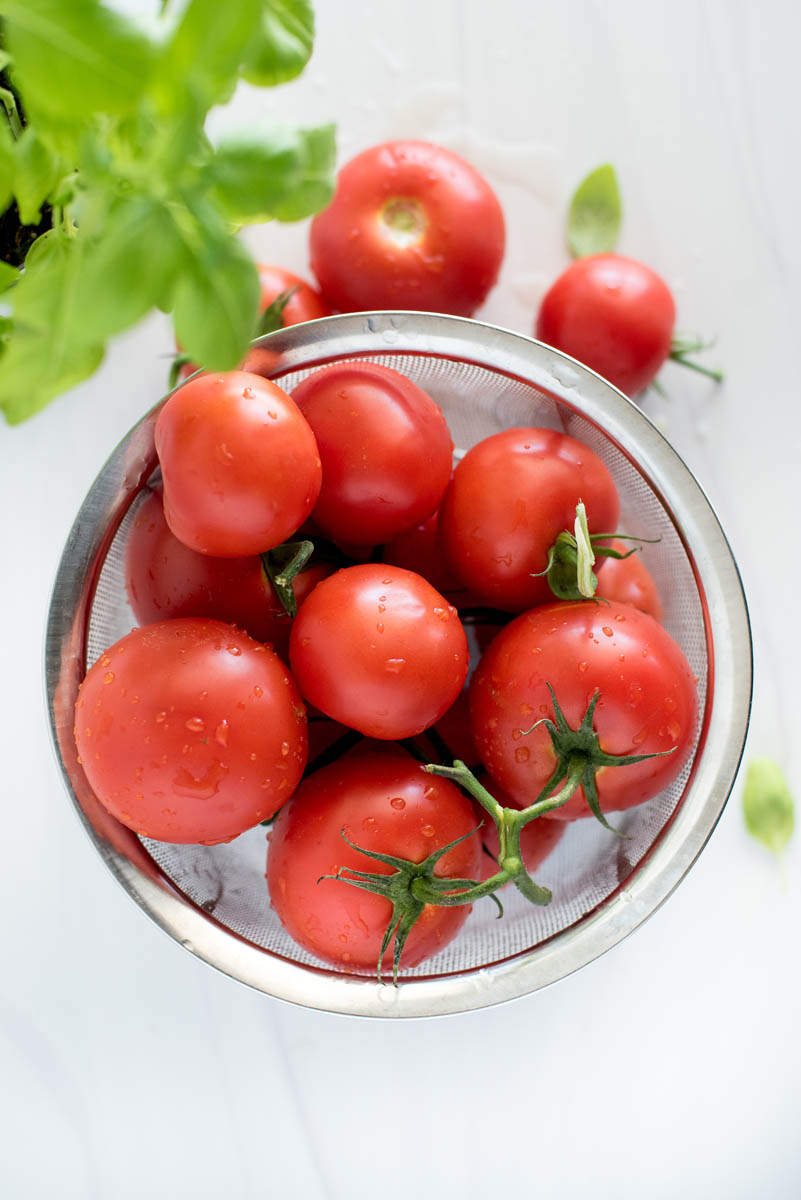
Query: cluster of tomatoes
{"x": 306, "y": 576}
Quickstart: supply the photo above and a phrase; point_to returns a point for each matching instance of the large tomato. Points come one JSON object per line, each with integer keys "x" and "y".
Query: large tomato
{"x": 377, "y": 648}
{"x": 411, "y": 226}
{"x": 190, "y": 731}
{"x": 648, "y": 700}
{"x": 385, "y": 448}
{"x": 383, "y": 801}
{"x": 613, "y": 314}
{"x": 510, "y": 497}
{"x": 240, "y": 464}
{"x": 165, "y": 579}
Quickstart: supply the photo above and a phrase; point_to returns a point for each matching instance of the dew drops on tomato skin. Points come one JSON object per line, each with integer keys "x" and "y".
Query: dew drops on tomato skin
{"x": 427, "y": 831}
{"x": 195, "y": 724}
{"x": 522, "y": 754}
{"x": 397, "y": 802}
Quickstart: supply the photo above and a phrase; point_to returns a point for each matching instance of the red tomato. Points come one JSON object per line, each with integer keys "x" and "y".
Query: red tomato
{"x": 240, "y": 464}
{"x": 385, "y": 448}
{"x": 629, "y": 581}
{"x": 164, "y": 578}
{"x": 189, "y": 731}
{"x": 385, "y": 802}
{"x": 420, "y": 549}
{"x": 306, "y": 303}
{"x": 613, "y": 314}
{"x": 510, "y": 497}
{"x": 411, "y": 226}
{"x": 648, "y": 700}
{"x": 537, "y": 839}
{"x": 377, "y": 648}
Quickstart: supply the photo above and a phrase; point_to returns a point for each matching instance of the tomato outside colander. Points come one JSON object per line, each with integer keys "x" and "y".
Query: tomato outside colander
{"x": 213, "y": 899}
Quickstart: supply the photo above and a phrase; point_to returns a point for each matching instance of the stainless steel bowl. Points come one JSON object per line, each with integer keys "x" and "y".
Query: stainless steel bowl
{"x": 213, "y": 900}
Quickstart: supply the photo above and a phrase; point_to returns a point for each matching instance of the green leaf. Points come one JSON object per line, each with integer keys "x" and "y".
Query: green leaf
{"x": 768, "y": 804}
{"x": 204, "y": 56}
{"x": 6, "y": 166}
{"x": 42, "y": 357}
{"x": 36, "y": 173}
{"x": 8, "y": 275}
{"x": 75, "y": 58}
{"x": 216, "y": 299}
{"x": 287, "y": 174}
{"x": 593, "y": 222}
{"x": 285, "y": 42}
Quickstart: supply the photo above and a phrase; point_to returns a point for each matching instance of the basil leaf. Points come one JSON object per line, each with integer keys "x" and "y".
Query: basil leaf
{"x": 284, "y": 44}
{"x": 73, "y": 60}
{"x": 593, "y": 222}
{"x": 288, "y": 175}
{"x": 6, "y": 166}
{"x": 42, "y": 356}
{"x": 205, "y": 53}
{"x": 126, "y": 271}
{"x": 36, "y": 173}
{"x": 768, "y": 804}
{"x": 216, "y": 300}
{"x": 8, "y": 275}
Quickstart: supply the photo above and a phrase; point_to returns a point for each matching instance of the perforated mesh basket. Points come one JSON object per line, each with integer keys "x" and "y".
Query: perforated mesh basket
{"x": 214, "y": 899}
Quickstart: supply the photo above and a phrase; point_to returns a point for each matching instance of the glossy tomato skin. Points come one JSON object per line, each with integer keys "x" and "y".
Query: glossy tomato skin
{"x": 380, "y": 650}
{"x": 190, "y": 731}
{"x": 239, "y": 462}
{"x": 510, "y": 497}
{"x": 411, "y": 226}
{"x": 385, "y": 802}
{"x": 629, "y": 581}
{"x": 648, "y": 700}
{"x": 165, "y": 579}
{"x": 420, "y": 549}
{"x": 613, "y": 314}
{"x": 385, "y": 448}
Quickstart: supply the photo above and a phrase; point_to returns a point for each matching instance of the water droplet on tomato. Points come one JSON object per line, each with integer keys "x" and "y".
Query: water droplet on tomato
{"x": 233, "y": 649}
{"x": 221, "y": 733}
{"x": 442, "y": 613}
{"x": 674, "y": 729}
{"x": 248, "y": 393}
{"x": 517, "y": 734}
{"x": 369, "y": 824}
{"x": 380, "y": 627}
{"x": 257, "y": 691}
{"x": 195, "y": 724}
{"x": 105, "y": 661}
{"x": 428, "y": 831}
{"x": 160, "y": 717}
{"x": 398, "y": 802}
{"x": 583, "y": 666}
{"x": 108, "y": 677}
{"x": 284, "y": 749}
{"x": 640, "y": 737}
{"x": 382, "y": 608}
{"x": 395, "y": 665}
{"x": 669, "y": 704}
{"x": 607, "y": 631}
{"x": 522, "y": 754}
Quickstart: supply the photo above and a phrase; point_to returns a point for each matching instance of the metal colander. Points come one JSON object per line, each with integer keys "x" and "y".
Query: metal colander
{"x": 213, "y": 899}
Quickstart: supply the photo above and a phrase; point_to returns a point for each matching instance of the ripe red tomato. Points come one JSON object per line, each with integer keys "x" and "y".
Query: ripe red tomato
{"x": 629, "y": 581}
{"x": 189, "y": 731}
{"x": 240, "y": 464}
{"x": 385, "y": 802}
{"x": 613, "y": 314}
{"x": 537, "y": 839}
{"x": 510, "y": 497}
{"x": 377, "y": 648}
{"x": 648, "y": 700}
{"x": 411, "y": 226}
{"x": 305, "y": 304}
{"x": 385, "y": 448}
{"x": 165, "y": 579}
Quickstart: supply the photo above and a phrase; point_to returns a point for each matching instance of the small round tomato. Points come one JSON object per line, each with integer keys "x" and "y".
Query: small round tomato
{"x": 629, "y": 581}
{"x": 385, "y": 448}
{"x": 411, "y": 226}
{"x": 377, "y": 648}
{"x": 240, "y": 464}
{"x": 190, "y": 731}
{"x": 613, "y": 314}
{"x": 385, "y": 802}
{"x": 165, "y": 579}
{"x": 510, "y": 498}
{"x": 647, "y": 701}
{"x": 537, "y": 839}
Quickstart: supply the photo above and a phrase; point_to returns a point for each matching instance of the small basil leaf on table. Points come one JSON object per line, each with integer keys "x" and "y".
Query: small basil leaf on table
{"x": 595, "y": 213}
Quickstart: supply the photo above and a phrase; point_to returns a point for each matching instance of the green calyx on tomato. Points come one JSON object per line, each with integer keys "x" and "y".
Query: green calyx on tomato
{"x": 408, "y": 890}
{"x": 413, "y": 885}
{"x": 681, "y": 347}
{"x": 273, "y": 316}
{"x": 281, "y": 565}
{"x": 572, "y": 556}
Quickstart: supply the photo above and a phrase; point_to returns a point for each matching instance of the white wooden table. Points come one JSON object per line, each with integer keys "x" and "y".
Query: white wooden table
{"x": 671, "y": 1067}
